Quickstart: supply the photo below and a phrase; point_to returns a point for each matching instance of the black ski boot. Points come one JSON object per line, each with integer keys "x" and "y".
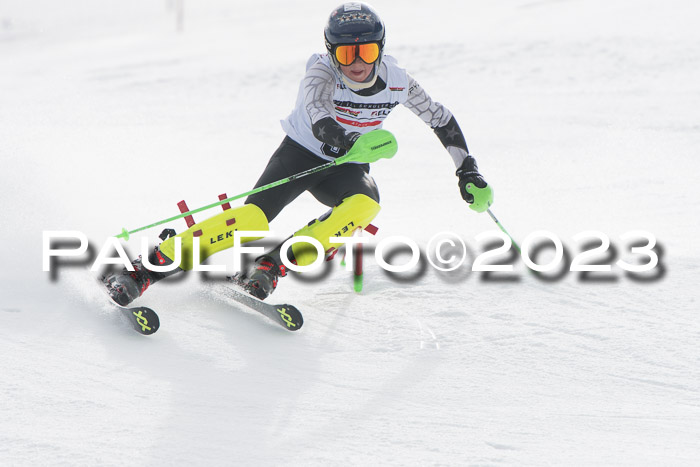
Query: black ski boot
{"x": 261, "y": 279}
{"x": 126, "y": 286}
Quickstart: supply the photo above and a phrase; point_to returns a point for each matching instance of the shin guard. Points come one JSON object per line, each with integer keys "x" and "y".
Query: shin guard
{"x": 355, "y": 212}
{"x": 216, "y": 233}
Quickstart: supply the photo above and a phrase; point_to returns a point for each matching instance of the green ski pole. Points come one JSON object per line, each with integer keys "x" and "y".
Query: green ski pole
{"x": 500, "y": 226}
{"x": 370, "y": 147}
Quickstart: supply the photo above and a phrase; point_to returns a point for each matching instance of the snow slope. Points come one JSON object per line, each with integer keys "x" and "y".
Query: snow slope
{"x": 582, "y": 115}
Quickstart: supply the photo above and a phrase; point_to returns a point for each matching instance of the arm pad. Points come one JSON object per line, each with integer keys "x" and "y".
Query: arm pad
{"x": 328, "y": 131}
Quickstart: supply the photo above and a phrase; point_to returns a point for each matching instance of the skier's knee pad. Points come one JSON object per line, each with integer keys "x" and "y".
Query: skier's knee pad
{"x": 216, "y": 233}
{"x": 355, "y": 212}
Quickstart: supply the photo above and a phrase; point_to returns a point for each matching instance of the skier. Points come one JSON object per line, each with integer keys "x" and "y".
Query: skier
{"x": 345, "y": 93}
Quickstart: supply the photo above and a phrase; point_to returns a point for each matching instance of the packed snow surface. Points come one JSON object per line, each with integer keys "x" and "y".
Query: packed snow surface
{"x": 583, "y": 115}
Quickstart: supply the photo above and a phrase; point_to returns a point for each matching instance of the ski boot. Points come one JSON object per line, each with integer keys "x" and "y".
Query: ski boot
{"x": 126, "y": 286}
{"x": 261, "y": 279}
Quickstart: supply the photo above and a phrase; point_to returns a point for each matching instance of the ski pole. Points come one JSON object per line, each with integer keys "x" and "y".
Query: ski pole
{"x": 500, "y": 226}
{"x": 370, "y": 147}
{"x": 125, "y": 233}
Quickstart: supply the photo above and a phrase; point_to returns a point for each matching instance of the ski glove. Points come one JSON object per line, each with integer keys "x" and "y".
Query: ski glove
{"x": 328, "y": 131}
{"x": 472, "y": 186}
{"x": 349, "y": 139}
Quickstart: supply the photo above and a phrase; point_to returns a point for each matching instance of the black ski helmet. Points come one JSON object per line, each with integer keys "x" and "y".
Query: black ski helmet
{"x": 354, "y": 23}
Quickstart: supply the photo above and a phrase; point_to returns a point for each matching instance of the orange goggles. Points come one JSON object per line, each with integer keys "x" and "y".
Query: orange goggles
{"x": 346, "y": 54}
